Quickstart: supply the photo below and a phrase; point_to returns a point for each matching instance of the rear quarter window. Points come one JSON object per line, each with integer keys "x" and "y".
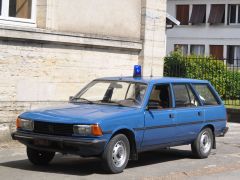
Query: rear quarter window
{"x": 206, "y": 95}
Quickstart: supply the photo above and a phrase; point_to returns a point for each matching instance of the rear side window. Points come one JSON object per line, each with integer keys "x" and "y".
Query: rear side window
{"x": 206, "y": 95}
{"x": 184, "y": 97}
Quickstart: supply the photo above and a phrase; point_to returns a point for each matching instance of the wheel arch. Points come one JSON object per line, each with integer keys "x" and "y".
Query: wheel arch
{"x": 211, "y": 126}
{"x": 131, "y": 137}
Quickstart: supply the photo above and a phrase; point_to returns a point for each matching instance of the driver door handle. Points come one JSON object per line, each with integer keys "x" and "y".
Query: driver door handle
{"x": 171, "y": 115}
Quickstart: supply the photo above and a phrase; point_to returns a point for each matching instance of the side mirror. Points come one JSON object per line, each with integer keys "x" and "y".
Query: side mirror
{"x": 153, "y": 105}
{"x": 70, "y": 98}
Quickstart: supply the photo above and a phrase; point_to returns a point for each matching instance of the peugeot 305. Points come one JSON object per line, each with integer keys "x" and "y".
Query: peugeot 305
{"x": 117, "y": 118}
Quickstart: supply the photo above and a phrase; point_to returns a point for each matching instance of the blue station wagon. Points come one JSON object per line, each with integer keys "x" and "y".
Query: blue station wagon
{"x": 117, "y": 118}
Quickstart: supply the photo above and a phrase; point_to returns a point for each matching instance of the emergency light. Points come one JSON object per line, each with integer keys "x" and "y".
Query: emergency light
{"x": 137, "y": 71}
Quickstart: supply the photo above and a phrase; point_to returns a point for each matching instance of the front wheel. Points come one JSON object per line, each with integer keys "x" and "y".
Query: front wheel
{"x": 116, "y": 154}
{"x": 203, "y": 144}
{"x": 39, "y": 157}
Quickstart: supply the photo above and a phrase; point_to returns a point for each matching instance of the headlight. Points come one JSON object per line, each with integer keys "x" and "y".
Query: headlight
{"x": 87, "y": 130}
{"x": 24, "y": 124}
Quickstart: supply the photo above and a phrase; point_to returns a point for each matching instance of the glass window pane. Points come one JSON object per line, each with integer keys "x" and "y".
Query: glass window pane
{"x": 0, "y": 7}
{"x": 238, "y": 13}
{"x": 181, "y": 95}
{"x": 20, "y": 8}
{"x": 193, "y": 99}
{"x": 205, "y": 94}
{"x": 233, "y": 13}
{"x": 198, "y": 50}
{"x": 160, "y": 95}
{"x": 182, "y": 47}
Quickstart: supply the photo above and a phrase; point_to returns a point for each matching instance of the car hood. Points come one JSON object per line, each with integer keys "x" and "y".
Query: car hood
{"x": 79, "y": 113}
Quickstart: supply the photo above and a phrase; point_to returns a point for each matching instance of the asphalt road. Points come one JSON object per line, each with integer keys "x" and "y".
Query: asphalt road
{"x": 176, "y": 163}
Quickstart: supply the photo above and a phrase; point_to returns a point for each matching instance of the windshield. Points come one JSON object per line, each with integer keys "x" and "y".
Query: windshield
{"x": 119, "y": 93}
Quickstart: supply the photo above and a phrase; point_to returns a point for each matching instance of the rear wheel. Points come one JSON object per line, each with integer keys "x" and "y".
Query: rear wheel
{"x": 203, "y": 144}
{"x": 39, "y": 157}
{"x": 116, "y": 154}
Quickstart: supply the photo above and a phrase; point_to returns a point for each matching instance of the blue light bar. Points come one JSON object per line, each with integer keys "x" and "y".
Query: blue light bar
{"x": 137, "y": 71}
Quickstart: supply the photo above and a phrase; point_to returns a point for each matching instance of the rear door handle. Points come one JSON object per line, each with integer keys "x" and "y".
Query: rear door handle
{"x": 199, "y": 113}
{"x": 171, "y": 115}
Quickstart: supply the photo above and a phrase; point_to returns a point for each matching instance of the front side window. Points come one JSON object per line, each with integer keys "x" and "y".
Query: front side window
{"x": 160, "y": 97}
{"x": 184, "y": 97}
{"x": 17, "y": 10}
{"x": 129, "y": 94}
{"x": 205, "y": 94}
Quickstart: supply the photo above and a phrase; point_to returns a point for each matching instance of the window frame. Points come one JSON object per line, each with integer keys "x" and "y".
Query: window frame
{"x": 171, "y": 98}
{"x": 6, "y": 19}
{"x": 237, "y": 20}
{"x": 211, "y": 89}
{"x": 181, "y": 47}
{"x": 199, "y": 45}
{"x": 193, "y": 91}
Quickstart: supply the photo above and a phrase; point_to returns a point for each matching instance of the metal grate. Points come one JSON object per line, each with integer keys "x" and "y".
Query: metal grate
{"x": 53, "y": 128}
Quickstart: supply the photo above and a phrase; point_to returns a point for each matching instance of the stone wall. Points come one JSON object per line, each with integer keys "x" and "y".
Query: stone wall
{"x": 40, "y": 74}
{"x": 45, "y": 65}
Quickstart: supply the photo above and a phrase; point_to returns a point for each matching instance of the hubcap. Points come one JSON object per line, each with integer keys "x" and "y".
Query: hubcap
{"x": 205, "y": 143}
{"x": 119, "y": 154}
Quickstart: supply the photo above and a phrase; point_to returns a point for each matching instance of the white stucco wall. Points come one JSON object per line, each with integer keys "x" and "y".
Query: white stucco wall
{"x": 102, "y": 17}
{"x": 204, "y": 34}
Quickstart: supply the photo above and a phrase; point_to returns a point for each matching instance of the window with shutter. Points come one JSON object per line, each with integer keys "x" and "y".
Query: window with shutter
{"x": 182, "y": 14}
{"x": 216, "y": 51}
{"x": 217, "y": 14}
{"x": 198, "y": 15}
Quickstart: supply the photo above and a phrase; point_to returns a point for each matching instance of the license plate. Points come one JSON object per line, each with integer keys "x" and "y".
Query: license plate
{"x": 41, "y": 142}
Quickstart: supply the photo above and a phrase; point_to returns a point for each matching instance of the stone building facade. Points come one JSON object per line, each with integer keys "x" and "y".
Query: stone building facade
{"x": 49, "y": 49}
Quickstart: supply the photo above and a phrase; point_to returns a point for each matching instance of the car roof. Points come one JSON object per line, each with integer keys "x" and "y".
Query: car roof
{"x": 154, "y": 79}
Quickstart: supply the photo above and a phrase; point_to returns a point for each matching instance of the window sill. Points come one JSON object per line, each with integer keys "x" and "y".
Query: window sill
{"x": 13, "y": 21}
{"x": 48, "y": 36}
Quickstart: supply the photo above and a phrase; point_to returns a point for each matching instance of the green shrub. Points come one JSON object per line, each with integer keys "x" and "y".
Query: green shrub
{"x": 226, "y": 82}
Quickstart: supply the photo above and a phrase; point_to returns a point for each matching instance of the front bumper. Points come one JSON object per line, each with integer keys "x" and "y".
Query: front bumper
{"x": 69, "y": 145}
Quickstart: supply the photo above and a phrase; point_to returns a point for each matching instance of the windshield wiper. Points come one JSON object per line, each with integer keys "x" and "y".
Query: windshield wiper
{"x": 117, "y": 103}
{"x": 83, "y": 99}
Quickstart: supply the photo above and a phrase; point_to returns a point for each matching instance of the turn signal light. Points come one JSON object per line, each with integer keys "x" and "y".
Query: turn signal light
{"x": 96, "y": 130}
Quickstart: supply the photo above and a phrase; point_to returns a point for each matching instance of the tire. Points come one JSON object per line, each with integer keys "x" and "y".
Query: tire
{"x": 203, "y": 144}
{"x": 116, "y": 155}
{"x": 39, "y": 157}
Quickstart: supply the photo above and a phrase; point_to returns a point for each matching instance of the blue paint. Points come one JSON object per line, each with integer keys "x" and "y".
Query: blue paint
{"x": 151, "y": 128}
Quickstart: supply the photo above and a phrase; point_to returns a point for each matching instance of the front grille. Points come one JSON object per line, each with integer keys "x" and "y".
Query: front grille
{"x": 53, "y": 128}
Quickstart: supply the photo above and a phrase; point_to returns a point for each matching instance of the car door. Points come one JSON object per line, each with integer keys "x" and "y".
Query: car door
{"x": 189, "y": 112}
{"x": 215, "y": 112}
{"x": 159, "y": 118}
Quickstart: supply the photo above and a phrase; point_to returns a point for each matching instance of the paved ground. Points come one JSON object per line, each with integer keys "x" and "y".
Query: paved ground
{"x": 177, "y": 163}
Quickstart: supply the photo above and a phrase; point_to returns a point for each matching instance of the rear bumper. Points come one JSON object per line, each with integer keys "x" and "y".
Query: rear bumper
{"x": 70, "y": 145}
{"x": 224, "y": 132}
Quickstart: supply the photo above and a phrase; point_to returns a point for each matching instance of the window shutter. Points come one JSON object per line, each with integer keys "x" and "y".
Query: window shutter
{"x": 216, "y": 51}
{"x": 198, "y": 14}
{"x": 217, "y": 14}
{"x": 182, "y": 14}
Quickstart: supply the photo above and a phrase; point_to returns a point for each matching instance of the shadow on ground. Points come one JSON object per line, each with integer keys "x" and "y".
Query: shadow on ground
{"x": 73, "y": 165}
